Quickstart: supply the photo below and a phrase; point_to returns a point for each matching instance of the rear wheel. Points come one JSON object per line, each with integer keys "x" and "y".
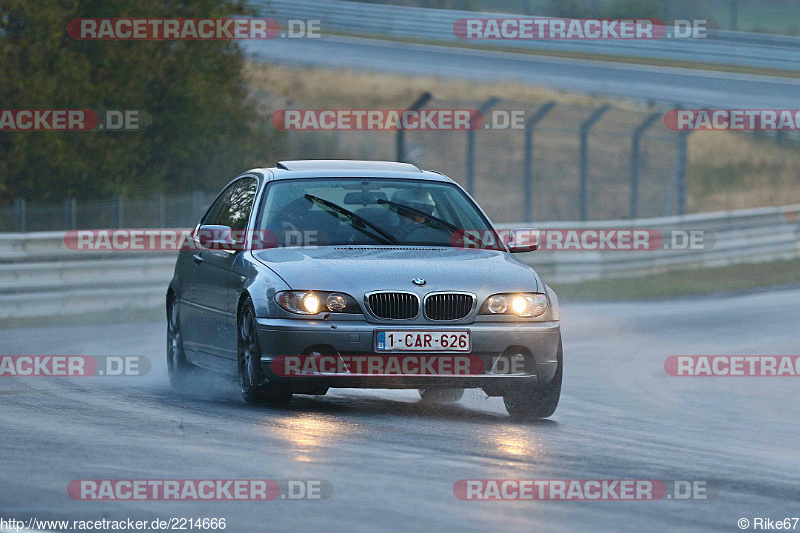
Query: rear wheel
{"x": 178, "y": 368}
{"x": 441, "y": 395}
{"x": 530, "y": 402}
{"x": 251, "y": 377}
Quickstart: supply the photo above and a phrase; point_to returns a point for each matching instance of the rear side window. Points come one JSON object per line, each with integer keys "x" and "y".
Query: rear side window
{"x": 234, "y": 205}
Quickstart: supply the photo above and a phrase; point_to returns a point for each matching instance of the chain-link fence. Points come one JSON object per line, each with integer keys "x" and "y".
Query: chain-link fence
{"x": 158, "y": 211}
{"x": 559, "y": 161}
{"x": 533, "y": 173}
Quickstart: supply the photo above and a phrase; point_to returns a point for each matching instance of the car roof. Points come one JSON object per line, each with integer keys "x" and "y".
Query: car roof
{"x": 345, "y": 168}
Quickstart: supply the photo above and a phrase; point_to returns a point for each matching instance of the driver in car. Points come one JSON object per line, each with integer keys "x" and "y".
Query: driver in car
{"x": 409, "y": 222}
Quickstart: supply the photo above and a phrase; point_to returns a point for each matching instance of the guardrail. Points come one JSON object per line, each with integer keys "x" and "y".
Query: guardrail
{"x": 40, "y": 276}
{"x": 730, "y": 237}
{"x": 426, "y": 24}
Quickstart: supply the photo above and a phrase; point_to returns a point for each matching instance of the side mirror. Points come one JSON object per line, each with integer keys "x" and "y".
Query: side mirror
{"x": 216, "y": 237}
{"x": 522, "y": 240}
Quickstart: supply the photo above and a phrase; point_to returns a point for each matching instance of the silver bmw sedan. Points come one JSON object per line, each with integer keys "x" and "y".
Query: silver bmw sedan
{"x": 319, "y": 274}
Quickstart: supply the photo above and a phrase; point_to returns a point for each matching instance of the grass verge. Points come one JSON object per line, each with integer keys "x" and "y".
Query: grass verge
{"x": 721, "y": 280}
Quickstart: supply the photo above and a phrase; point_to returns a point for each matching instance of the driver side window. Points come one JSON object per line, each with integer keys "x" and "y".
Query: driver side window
{"x": 234, "y": 205}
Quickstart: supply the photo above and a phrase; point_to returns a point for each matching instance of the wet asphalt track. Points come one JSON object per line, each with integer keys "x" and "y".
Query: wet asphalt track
{"x": 393, "y": 461}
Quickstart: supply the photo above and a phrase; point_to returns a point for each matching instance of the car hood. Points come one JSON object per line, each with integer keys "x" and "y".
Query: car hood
{"x": 360, "y": 269}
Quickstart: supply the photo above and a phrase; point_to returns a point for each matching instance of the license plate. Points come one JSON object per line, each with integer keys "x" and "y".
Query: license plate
{"x": 422, "y": 341}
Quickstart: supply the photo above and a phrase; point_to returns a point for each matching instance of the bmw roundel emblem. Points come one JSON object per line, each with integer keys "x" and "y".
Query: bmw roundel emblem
{"x": 419, "y": 282}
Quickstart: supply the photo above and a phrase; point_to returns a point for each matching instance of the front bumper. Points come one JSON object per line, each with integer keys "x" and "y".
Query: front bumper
{"x": 537, "y": 342}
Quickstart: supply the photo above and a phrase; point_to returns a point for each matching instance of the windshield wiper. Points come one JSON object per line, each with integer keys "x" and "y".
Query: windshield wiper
{"x": 357, "y": 221}
{"x": 402, "y": 207}
{"x": 438, "y": 221}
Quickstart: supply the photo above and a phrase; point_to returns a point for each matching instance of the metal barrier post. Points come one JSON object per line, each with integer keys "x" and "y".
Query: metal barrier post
{"x": 637, "y": 135}
{"x": 682, "y": 163}
{"x": 543, "y": 110}
{"x": 485, "y": 106}
{"x": 401, "y": 134}
{"x": 70, "y": 217}
{"x": 197, "y": 204}
{"x": 73, "y": 212}
{"x": 120, "y": 215}
{"x": 162, "y": 210}
{"x": 585, "y": 127}
{"x": 22, "y": 214}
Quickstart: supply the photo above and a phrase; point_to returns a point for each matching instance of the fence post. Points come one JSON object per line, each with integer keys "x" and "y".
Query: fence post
{"x": 69, "y": 213}
{"x": 197, "y": 204}
{"x": 682, "y": 163}
{"x": 637, "y": 135}
{"x": 485, "y": 106}
{"x": 543, "y": 110}
{"x": 401, "y": 134}
{"x": 120, "y": 211}
{"x": 585, "y": 127}
{"x": 162, "y": 212}
{"x": 22, "y": 214}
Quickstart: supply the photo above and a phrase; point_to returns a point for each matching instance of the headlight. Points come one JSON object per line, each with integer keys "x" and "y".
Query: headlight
{"x": 497, "y": 304}
{"x": 519, "y": 305}
{"x": 524, "y": 304}
{"x": 336, "y": 302}
{"x": 311, "y": 302}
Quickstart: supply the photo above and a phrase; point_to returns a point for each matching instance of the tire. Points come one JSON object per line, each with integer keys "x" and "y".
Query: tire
{"x": 526, "y": 403}
{"x": 441, "y": 395}
{"x": 255, "y": 390}
{"x": 178, "y": 368}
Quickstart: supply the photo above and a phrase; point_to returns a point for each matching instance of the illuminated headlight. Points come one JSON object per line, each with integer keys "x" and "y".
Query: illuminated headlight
{"x": 519, "y": 305}
{"x": 526, "y": 304}
{"x": 311, "y": 302}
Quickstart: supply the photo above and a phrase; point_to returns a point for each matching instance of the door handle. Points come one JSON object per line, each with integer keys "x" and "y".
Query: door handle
{"x": 197, "y": 258}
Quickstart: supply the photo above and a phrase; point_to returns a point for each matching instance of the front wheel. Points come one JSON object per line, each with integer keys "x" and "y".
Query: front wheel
{"x": 540, "y": 402}
{"x": 251, "y": 377}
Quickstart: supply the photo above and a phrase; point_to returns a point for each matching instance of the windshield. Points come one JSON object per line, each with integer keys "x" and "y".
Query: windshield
{"x": 357, "y": 211}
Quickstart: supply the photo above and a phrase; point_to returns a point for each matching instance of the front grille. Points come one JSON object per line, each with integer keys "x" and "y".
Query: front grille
{"x": 448, "y": 306}
{"x": 394, "y": 305}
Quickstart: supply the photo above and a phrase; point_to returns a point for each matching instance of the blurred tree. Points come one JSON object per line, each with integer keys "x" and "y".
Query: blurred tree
{"x": 204, "y": 128}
